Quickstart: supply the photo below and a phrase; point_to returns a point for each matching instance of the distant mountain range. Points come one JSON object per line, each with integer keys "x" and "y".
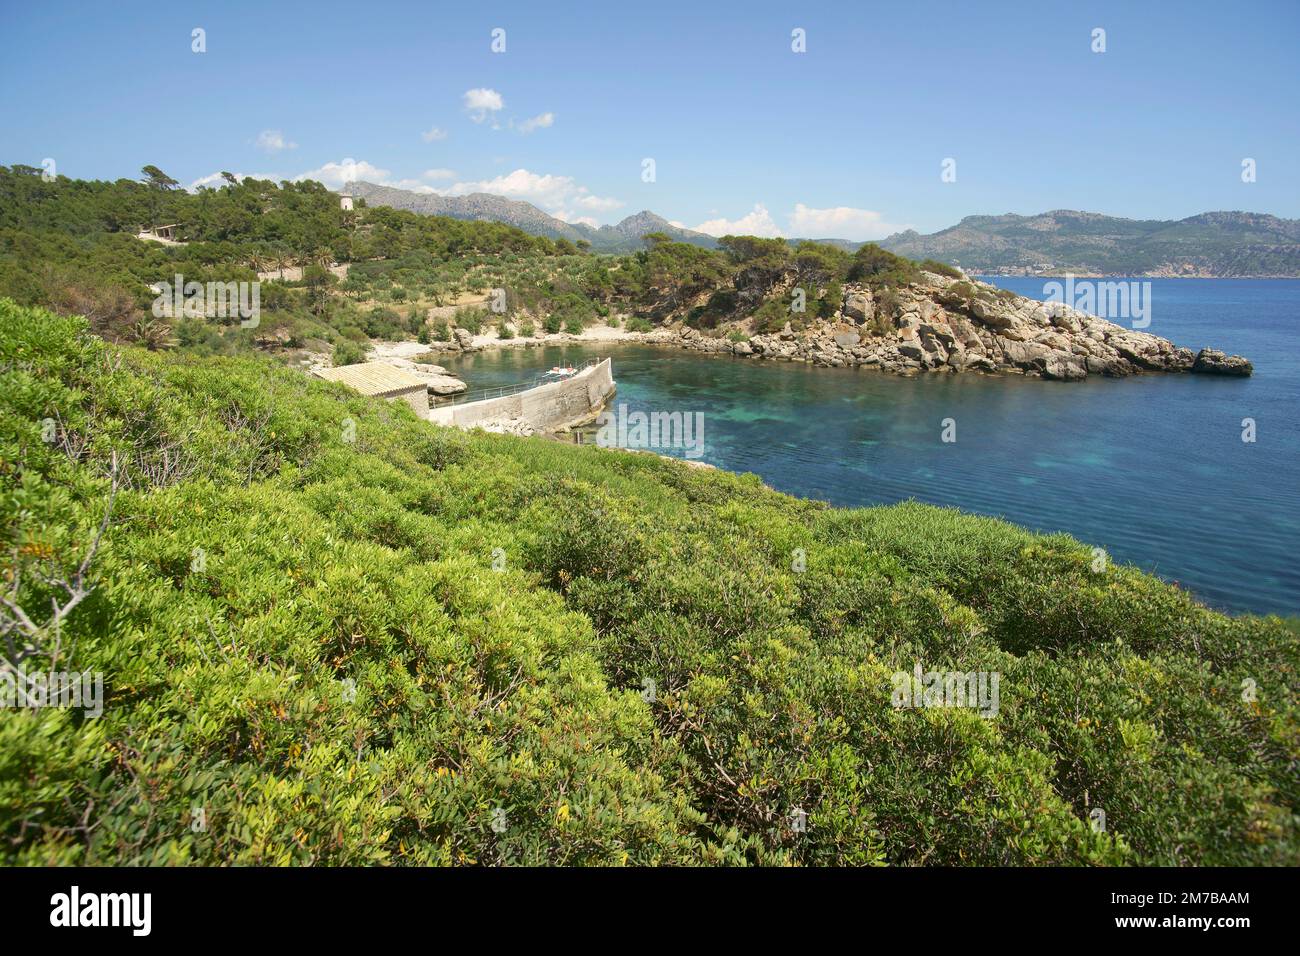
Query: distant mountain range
{"x": 624, "y": 237}
{"x": 1213, "y": 244}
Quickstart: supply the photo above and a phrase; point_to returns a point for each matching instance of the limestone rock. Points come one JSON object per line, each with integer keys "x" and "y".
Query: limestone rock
{"x": 859, "y": 307}
{"x": 444, "y": 385}
{"x": 950, "y": 325}
{"x": 1214, "y": 362}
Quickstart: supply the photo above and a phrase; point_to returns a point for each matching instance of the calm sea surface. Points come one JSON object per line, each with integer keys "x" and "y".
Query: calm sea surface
{"x": 1151, "y": 468}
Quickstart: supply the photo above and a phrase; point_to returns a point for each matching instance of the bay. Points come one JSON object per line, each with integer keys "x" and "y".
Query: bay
{"x": 1151, "y": 468}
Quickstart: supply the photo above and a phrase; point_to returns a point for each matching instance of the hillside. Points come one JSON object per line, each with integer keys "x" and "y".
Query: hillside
{"x": 1214, "y": 244}
{"x": 312, "y": 652}
{"x": 382, "y": 273}
{"x": 484, "y": 207}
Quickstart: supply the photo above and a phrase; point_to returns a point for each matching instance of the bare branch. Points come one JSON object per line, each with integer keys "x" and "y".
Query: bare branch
{"x": 36, "y": 637}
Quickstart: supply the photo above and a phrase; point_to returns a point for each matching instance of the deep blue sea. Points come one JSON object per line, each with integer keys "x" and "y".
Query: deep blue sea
{"x": 1151, "y": 468}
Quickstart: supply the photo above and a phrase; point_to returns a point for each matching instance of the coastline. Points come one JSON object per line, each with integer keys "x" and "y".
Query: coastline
{"x": 1022, "y": 338}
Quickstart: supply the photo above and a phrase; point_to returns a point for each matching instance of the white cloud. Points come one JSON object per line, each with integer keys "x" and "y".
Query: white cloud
{"x": 839, "y": 222}
{"x": 414, "y": 185}
{"x": 216, "y": 180}
{"x": 555, "y": 194}
{"x": 541, "y": 121}
{"x": 597, "y": 203}
{"x": 575, "y": 220}
{"x": 433, "y": 133}
{"x": 805, "y": 222}
{"x": 561, "y": 196}
{"x": 273, "y": 141}
{"x": 335, "y": 175}
{"x": 480, "y": 102}
{"x": 758, "y": 222}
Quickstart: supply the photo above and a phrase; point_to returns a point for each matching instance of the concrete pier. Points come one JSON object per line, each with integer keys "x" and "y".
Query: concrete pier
{"x": 549, "y": 407}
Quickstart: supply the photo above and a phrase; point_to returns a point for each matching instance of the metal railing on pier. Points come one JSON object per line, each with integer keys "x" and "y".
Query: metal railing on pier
{"x": 501, "y": 391}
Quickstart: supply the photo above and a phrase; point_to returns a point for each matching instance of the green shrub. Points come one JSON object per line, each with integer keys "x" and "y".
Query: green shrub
{"x": 471, "y": 319}
{"x": 878, "y": 267}
{"x": 942, "y": 268}
{"x": 398, "y": 630}
{"x": 347, "y": 352}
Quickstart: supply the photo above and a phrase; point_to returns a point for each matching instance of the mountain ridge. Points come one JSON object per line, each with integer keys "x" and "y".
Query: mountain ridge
{"x": 622, "y": 237}
{"x": 1216, "y": 244}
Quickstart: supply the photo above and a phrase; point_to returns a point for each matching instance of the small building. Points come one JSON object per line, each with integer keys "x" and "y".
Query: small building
{"x": 345, "y": 202}
{"x": 384, "y": 381}
{"x": 164, "y": 234}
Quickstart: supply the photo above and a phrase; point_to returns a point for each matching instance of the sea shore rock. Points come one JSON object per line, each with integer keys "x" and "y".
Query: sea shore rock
{"x": 1214, "y": 362}
{"x": 936, "y": 324}
{"x": 950, "y": 325}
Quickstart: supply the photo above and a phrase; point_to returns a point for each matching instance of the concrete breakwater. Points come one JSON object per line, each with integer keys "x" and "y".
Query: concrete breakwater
{"x": 549, "y": 407}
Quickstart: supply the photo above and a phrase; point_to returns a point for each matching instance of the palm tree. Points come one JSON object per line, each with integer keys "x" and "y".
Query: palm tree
{"x": 281, "y": 255}
{"x": 152, "y": 333}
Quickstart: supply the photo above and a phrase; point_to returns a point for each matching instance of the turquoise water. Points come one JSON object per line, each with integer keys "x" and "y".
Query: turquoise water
{"x": 1151, "y": 468}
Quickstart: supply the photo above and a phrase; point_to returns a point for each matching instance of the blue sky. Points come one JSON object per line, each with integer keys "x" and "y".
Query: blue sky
{"x": 846, "y": 139}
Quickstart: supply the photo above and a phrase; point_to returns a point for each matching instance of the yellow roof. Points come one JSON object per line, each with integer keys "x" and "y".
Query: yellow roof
{"x": 373, "y": 378}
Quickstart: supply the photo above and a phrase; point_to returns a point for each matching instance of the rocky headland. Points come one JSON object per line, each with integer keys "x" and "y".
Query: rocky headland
{"x": 936, "y": 324}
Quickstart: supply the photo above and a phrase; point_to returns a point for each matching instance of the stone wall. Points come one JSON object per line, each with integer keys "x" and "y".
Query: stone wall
{"x": 417, "y": 398}
{"x": 544, "y": 408}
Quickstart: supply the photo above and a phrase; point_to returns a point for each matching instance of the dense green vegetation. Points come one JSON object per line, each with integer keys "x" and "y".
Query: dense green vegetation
{"x": 70, "y": 245}
{"x": 348, "y": 636}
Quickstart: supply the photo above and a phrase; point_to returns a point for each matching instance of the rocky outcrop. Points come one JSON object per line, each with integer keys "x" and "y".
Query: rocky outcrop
{"x": 463, "y": 339}
{"x": 509, "y": 426}
{"x": 955, "y": 325}
{"x": 1214, "y": 362}
{"x": 441, "y": 384}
